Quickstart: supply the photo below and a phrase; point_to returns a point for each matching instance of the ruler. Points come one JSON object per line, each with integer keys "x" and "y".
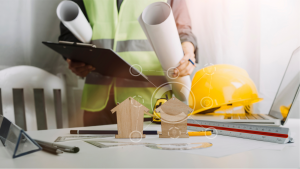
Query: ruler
{"x": 255, "y": 132}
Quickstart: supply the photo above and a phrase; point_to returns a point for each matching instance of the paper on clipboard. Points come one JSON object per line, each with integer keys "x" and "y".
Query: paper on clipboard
{"x": 157, "y": 22}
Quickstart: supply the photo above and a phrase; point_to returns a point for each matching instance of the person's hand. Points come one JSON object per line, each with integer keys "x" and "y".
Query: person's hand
{"x": 79, "y": 68}
{"x": 186, "y": 67}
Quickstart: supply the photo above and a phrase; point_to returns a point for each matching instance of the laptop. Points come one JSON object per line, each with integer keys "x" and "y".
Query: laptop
{"x": 284, "y": 101}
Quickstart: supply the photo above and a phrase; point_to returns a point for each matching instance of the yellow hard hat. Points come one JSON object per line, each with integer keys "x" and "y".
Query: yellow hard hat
{"x": 285, "y": 111}
{"x": 221, "y": 85}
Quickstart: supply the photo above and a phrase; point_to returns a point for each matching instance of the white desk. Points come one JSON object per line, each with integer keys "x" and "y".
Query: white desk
{"x": 137, "y": 156}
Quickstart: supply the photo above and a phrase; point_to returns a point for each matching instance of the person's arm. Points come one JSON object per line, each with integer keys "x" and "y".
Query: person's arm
{"x": 79, "y": 68}
{"x": 187, "y": 38}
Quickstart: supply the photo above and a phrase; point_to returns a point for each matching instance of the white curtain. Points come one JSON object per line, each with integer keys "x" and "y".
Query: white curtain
{"x": 256, "y": 35}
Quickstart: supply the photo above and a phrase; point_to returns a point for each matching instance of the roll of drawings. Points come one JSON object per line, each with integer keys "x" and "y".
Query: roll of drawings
{"x": 158, "y": 23}
{"x": 70, "y": 14}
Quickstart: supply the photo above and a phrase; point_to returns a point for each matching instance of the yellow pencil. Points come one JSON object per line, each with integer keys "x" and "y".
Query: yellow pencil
{"x": 200, "y": 133}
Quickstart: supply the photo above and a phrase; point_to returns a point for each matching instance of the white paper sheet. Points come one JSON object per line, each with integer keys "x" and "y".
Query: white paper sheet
{"x": 222, "y": 145}
{"x": 278, "y": 147}
{"x": 72, "y": 17}
{"x": 158, "y": 23}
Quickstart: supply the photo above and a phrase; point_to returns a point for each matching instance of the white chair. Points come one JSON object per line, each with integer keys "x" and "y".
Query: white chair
{"x": 33, "y": 98}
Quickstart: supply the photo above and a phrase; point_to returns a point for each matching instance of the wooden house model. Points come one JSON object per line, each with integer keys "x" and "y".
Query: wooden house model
{"x": 130, "y": 118}
{"x": 174, "y": 115}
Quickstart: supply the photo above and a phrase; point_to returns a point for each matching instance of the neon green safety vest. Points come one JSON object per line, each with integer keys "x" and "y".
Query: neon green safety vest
{"x": 121, "y": 32}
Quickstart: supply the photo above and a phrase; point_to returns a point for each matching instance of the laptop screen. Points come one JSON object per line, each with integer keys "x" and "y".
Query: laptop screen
{"x": 286, "y": 95}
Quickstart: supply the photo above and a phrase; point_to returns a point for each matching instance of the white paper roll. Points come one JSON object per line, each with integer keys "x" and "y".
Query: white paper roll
{"x": 72, "y": 17}
{"x": 158, "y": 23}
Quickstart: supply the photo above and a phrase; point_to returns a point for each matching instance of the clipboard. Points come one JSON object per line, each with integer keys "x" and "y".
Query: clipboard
{"x": 106, "y": 61}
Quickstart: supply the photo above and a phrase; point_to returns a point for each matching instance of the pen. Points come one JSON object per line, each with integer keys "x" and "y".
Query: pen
{"x": 64, "y": 148}
{"x": 148, "y": 132}
{"x": 191, "y": 61}
{"x": 200, "y": 133}
{"x": 50, "y": 149}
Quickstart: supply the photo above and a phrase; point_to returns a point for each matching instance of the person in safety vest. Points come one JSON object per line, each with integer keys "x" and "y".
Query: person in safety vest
{"x": 115, "y": 26}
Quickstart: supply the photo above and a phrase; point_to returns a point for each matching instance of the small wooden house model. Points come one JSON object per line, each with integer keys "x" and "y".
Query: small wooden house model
{"x": 174, "y": 115}
{"x": 130, "y": 118}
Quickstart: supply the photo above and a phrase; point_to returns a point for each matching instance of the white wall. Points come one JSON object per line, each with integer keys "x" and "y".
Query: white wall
{"x": 24, "y": 25}
{"x": 258, "y": 36}
{"x": 280, "y": 36}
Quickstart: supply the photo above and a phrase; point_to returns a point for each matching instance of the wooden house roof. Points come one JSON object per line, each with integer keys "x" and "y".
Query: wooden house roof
{"x": 174, "y": 110}
{"x": 128, "y": 105}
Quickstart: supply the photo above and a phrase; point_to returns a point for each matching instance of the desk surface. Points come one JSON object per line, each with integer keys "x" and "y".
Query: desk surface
{"x": 137, "y": 156}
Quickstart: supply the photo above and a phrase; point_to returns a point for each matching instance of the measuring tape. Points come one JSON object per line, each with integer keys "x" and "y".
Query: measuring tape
{"x": 255, "y": 132}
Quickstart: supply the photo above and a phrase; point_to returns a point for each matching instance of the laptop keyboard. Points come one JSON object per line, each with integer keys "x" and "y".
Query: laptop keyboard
{"x": 245, "y": 116}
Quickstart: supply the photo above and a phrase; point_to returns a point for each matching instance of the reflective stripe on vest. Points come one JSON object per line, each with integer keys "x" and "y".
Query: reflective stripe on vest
{"x": 133, "y": 45}
{"x": 96, "y": 79}
{"x": 124, "y": 46}
{"x": 121, "y": 32}
{"x": 104, "y": 43}
{"x": 155, "y": 80}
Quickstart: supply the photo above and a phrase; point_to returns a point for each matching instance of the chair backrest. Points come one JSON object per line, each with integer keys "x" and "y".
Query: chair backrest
{"x": 32, "y": 98}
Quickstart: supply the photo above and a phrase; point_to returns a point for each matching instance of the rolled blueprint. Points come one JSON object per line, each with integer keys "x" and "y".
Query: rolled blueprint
{"x": 72, "y": 17}
{"x": 158, "y": 23}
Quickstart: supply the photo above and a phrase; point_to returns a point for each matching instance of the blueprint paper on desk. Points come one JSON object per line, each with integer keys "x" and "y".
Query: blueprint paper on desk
{"x": 225, "y": 145}
{"x": 278, "y": 147}
{"x": 222, "y": 145}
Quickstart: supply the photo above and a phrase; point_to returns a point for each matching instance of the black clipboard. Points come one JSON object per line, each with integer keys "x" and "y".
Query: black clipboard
{"x": 106, "y": 61}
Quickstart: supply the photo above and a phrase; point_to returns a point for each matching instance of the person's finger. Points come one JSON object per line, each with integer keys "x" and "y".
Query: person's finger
{"x": 183, "y": 72}
{"x": 91, "y": 67}
{"x": 69, "y": 63}
{"x": 184, "y": 59}
{"x": 181, "y": 67}
{"x": 76, "y": 64}
{"x": 82, "y": 69}
{"x": 175, "y": 74}
{"x": 84, "y": 73}
{"x": 188, "y": 71}
{"x": 194, "y": 61}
